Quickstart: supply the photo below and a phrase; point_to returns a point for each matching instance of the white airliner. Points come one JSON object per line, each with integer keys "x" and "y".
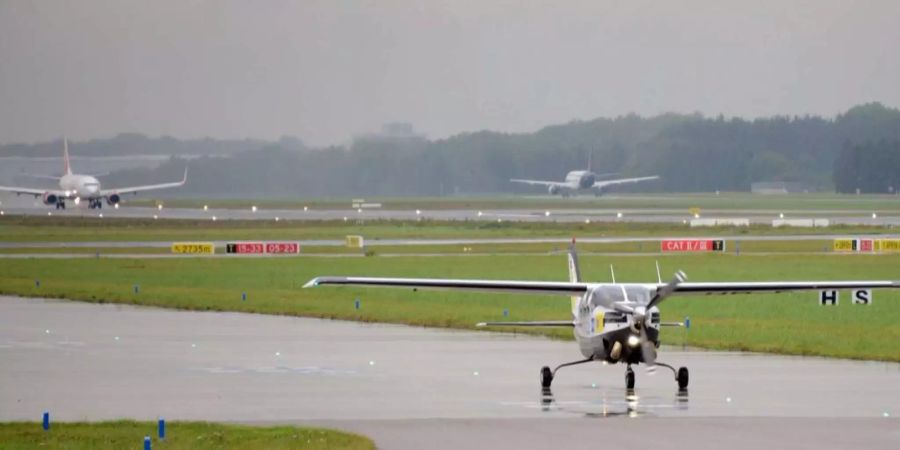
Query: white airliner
{"x": 80, "y": 188}
{"x": 582, "y": 181}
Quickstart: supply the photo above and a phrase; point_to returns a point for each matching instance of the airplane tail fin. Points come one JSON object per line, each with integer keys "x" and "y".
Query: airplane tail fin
{"x": 574, "y": 273}
{"x": 67, "y": 169}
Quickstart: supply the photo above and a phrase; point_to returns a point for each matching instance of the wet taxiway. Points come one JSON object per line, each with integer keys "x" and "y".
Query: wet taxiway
{"x": 411, "y": 387}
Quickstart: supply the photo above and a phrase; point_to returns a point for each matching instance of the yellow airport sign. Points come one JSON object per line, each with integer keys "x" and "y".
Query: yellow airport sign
{"x": 197, "y": 248}
{"x": 887, "y": 245}
{"x": 354, "y": 241}
{"x": 845, "y": 245}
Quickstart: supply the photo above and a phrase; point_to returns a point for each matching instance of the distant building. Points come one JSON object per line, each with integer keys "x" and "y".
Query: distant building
{"x": 392, "y": 131}
{"x": 778, "y": 187}
{"x": 397, "y": 129}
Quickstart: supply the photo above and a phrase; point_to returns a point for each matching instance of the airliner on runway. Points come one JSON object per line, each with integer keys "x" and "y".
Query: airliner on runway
{"x": 85, "y": 187}
{"x": 582, "y": 181}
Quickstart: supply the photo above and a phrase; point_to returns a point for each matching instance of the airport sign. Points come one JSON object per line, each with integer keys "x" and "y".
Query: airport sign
{"x": 282, "y": 247}
{"x": 207, "y": 248}
{"x": 245, "y": 248}
{"x": 259, "y": 247}
{"x": 692, "y": 245}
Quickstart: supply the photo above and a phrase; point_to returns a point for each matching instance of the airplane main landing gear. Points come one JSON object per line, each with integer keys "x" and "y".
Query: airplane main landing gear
{"x": 681, "y": 375}
{"x": 60, "y": 205}
{"x": 682, "y": 378}
{"x": 547, "y": 375}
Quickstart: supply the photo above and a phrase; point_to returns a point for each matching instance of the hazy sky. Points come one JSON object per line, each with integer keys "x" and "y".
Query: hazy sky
{"x": 325, "y": 70}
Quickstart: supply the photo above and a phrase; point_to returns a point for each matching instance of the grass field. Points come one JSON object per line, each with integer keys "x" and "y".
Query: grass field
{"x": 59, "y": 229}
{"x": 783, "y": 323}
{"x": 710, "y": 201}
{"x": 179, "y": 435}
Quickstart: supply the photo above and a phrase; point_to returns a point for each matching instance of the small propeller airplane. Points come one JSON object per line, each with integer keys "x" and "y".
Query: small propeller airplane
{"x": 612, "y": 322}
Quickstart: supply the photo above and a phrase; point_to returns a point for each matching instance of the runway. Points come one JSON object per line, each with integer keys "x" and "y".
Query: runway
{"x": 409, "y": 387}
{"x": 836, "y": 217}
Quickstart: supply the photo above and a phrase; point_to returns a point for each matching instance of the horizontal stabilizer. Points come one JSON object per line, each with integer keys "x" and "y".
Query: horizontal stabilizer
{"x": 545, "y": 323}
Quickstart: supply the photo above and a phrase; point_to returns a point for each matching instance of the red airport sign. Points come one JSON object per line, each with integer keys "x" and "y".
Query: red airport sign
{"x": 245, "y": 248}
{"x": 282, "y": 247}
{"x": 692, "y": 245}
{"x": 258, "y": 248}
{"x": 866, "y": 245}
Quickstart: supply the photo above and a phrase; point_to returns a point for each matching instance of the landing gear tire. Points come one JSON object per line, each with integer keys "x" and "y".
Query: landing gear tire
{"x": 546, "y": 377}
{"x": 629, "y": 379}
{"x": 682, "y": 378}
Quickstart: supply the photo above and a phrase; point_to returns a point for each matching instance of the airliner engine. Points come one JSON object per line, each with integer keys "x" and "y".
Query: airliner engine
{"x": 50, "y": 198}
{"x": 553, "y": 189}
{"x": 113, "y": 199}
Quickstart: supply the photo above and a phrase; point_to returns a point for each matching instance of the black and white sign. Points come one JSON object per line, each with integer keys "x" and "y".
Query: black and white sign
{"x": 862, "y": 297}
{"x": 828, "y": 298}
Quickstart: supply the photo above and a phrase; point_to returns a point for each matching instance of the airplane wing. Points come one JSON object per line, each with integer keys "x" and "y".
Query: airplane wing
{"x": 545, "y": 323}
{"x": 604, "y": 183}
{"x": 30, "y": 191}
{"x": 538, "y": 182}
{"x": 775, "y": 286}
{"x": 41, "y": 176}
{"x": 526, "y": 287}
{"x": 149, "y": 187}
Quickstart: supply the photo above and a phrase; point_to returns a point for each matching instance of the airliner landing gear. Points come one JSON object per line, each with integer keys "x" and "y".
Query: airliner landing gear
{"x": 629, "y": 378}
{"x": 60, "y": 205}
{"x": 547, "y": 375}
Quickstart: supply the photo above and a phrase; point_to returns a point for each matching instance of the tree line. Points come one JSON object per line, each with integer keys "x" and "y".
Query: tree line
{"x": 692, "y": 153}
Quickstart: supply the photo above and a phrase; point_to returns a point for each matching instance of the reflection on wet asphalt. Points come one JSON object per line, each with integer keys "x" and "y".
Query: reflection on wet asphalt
{"x": 601, "y": 405}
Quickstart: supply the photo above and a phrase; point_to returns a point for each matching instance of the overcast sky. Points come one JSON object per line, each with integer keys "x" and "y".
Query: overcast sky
{"x": 325, "y": 70}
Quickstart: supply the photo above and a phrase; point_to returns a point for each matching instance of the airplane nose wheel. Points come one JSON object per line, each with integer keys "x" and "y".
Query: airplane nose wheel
{"x": 629, "y": 378}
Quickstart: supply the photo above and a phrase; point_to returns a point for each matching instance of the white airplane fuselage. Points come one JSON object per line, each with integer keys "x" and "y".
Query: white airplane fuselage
{"x": 604, "y": 334}
{"x": 581, "y": 179}
{"x": 83, "y": 186}
{"x": 576, "y": 181}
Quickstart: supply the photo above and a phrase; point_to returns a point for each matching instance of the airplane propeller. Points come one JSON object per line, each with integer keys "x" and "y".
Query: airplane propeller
{"x": 641, "y": 316}
{"x": 668, "y": 289}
